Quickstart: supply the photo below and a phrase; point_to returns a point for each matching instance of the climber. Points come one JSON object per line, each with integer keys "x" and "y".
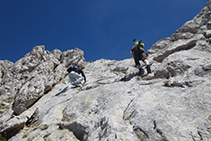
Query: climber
{"x": 74, "y": 75}
{"x": 138, "y": 53}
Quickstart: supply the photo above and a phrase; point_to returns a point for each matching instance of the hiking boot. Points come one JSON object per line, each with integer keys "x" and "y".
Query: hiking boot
{"x": 141, "y": 71}
{"x": 148, "y": 69}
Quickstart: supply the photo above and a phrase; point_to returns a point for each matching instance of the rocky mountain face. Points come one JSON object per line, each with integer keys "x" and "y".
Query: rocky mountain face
{"x": 173, "y": 103}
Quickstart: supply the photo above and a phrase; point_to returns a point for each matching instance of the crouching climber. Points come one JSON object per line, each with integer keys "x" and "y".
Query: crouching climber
{"x": 138, "y": 53}
{"x": 76, "y": 75}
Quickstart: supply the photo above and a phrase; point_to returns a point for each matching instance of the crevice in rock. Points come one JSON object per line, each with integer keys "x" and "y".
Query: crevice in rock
{"x": 133, "y": 114}
{"x": 12, "y": 131}
{"x": 55, "y": 66}
{"x": 48, "y": 89}
{"x": 104, "y": 128}
{"x": 155, "y": 125}
{"x": 192, "y": 136}
{"x": 78, "y": 130}
{"x": 140, "y": 133}
{"x": 32, "y": 119}
{"x": 162, "y": 135}
{"x": 115, "y": 136}
{"x": 2, "y": 75}
{"x": 199, "y": 133}
{"x": 46, "y": 135}
{"x": 124, "y": 113}
{"x": 164, "y": 138}
{"x": 103, "y": 123}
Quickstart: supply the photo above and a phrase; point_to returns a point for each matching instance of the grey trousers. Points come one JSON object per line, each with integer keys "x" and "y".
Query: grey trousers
{"x": 75, "y": 77}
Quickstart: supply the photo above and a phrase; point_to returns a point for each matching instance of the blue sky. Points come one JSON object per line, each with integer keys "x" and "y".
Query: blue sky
{"x": 101, "y": 28}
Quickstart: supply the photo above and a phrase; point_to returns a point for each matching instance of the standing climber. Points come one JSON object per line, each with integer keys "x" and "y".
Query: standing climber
{"x": 138, "y": 53}
{"x": 74, "y": 75}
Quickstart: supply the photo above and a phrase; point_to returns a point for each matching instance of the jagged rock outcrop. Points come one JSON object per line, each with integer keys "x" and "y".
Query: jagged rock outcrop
{"x": 173, "y": 103}
{"x": 34, "y": 75}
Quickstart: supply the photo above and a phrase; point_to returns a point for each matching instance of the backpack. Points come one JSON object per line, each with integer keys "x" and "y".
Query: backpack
{"x": 71, "y": 68}
{"x": 139, "y": 44}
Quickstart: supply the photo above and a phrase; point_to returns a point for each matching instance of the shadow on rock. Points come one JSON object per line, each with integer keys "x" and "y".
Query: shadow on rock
{"x": 64, "y": 90}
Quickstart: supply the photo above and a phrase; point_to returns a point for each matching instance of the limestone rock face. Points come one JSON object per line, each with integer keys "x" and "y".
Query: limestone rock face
{"x": 173, "y": 103}
{"x": 34, "y": 75}
{"x": 199, "y": 25}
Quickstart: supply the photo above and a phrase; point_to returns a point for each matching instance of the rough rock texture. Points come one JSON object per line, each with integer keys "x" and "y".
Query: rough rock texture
{"x": 25, "y": 81}
{"x": 171, "y": 104}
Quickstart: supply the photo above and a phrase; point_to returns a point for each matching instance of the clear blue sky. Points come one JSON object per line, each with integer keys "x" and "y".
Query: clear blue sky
{"x": 101, "y": 28}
